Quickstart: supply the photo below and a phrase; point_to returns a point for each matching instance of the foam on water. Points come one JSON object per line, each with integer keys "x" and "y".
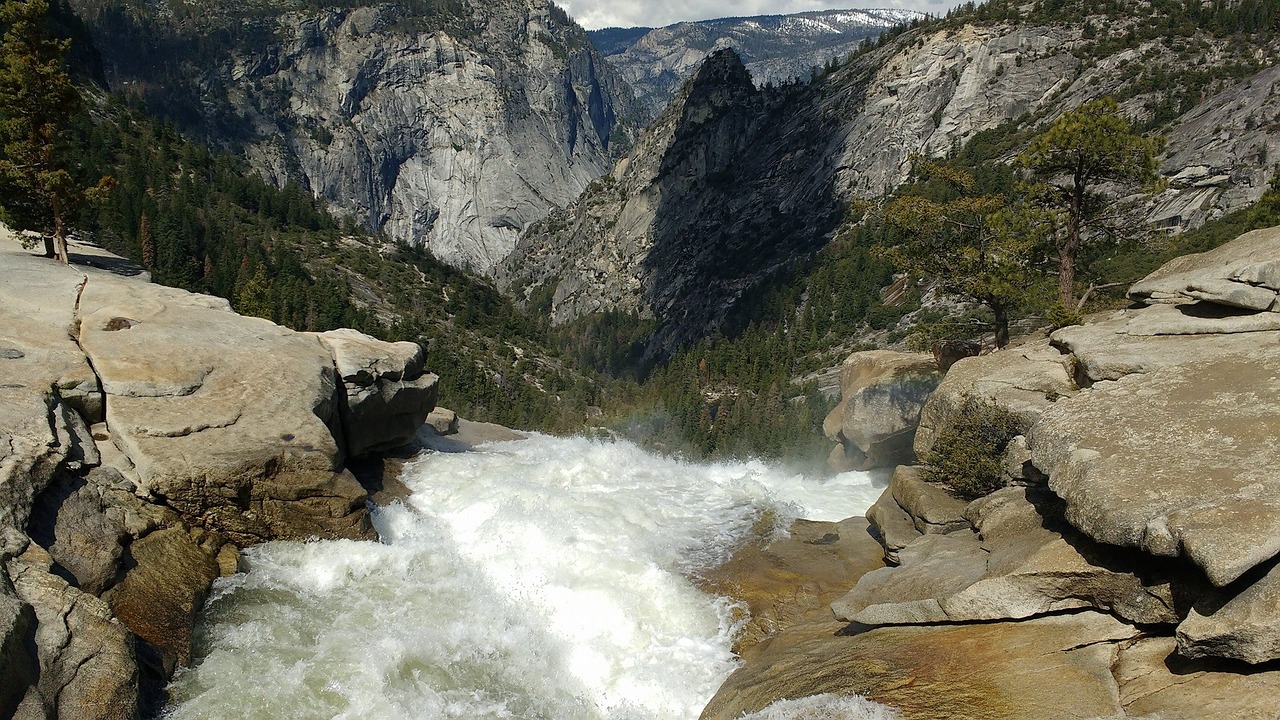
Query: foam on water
{"x": 545, "y": 578}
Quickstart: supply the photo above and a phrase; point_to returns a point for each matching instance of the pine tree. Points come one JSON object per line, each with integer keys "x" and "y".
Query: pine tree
{"x": 37, "y": 100}
{"x": 147, "y": 242}
{"x": 1084, "y": 148}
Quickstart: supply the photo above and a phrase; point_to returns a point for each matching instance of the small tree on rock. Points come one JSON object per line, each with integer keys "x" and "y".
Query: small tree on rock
{"x": 1084, "y": 148}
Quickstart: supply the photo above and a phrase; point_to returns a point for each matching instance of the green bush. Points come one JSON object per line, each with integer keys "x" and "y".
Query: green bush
{"x": 969, "y": 450}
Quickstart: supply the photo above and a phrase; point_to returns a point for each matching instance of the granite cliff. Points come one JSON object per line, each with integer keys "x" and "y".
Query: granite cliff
{"x": 447, "y": 123}
{"x": 733, "y": 184}
{"x": 146, "y": 435}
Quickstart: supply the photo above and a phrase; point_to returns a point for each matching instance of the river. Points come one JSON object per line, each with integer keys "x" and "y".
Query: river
{"x": 544, "y": 578}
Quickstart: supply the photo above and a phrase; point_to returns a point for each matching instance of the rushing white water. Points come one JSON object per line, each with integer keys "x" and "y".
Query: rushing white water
{"x": 546, "y": 578}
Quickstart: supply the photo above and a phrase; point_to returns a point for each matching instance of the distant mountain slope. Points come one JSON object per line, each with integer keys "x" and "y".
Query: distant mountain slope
{"x": 452, "y": 124}
{"x": 733, "y": 185}
{"x": 775, "y": 48}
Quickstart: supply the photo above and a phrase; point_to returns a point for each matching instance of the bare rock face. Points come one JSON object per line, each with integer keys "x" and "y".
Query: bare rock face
{"x": 882, "y": 394}
{"x": 1243, "y": 273}
{"x": 775, "y": 48}
{"x": 188, "y": 401}
{"x": 143, "y": 432}
{"x": 384, "y": 390}
{"x": 1156, "y": 682}
{"x": 1176, "y": 462}
{"x": 86, "y": 657}
{"x": 450, "y": 125}
{"x": 1234, "y": 623}
{"x": 790, "y": 582}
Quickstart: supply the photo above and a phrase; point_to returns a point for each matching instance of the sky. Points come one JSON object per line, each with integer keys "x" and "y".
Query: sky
{"x": 594, "y": 14}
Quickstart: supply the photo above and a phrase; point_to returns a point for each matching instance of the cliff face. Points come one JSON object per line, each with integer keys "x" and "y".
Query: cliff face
{"x": 713, "y": 201}
{"x": 448, "y": 123}
{"x": 775, "y": 48}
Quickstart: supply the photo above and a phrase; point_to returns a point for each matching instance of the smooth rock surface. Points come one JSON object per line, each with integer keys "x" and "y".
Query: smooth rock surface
{"x": 1050, "y": 668}
{"x": 793, "y": 580}
{"x": 1179, "y": 461}
{"x": 189, "y": 402}
{"x": 882, "y": 393}
{"x": 1240, "y": 273}
{"x": 1156, "y": 683}
{"x": 1122, "y": 343}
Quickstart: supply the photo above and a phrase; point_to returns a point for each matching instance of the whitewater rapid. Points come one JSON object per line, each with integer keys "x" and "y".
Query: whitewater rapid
{"x": 543, "y": 578}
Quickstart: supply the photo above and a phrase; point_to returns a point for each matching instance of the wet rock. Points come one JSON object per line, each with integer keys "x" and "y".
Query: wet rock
{"x": 159, "y": 597}
{"x": 992, "y": 670}
{"x": 793, "y": 580}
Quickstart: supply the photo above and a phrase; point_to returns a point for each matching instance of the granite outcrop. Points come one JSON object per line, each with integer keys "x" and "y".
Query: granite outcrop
{"x": 146, "y": 435}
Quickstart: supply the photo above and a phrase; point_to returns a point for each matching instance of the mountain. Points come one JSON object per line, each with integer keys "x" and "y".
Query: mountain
{"x": 452, "y": 124}
{"x": 733, "y": 185}
{"x": 775, "y": 48}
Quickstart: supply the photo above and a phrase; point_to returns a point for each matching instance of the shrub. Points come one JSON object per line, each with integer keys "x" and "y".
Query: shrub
{"x": 968, "y": 453}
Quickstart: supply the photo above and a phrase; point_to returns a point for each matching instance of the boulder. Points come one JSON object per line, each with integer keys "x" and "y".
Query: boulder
{"x": 162, "y": 593}
{"x": 444, "y": 421}
{"x": 386, "y": 394}
{"x": 1236, "y": 624}
{"x": 190, "y": 403}
{"x": 1241, "y": 273}
{"x": 883, "y": 392}
{"x": 1024, "y": 380}
{"x": 87, "y": 665}
{"x": 1178, "y": 461}
{"x": 892, "y": 526}
{"x": 1027, "y": 561}
{"x": 1155, "y": 682}
{"x": 933, "y": 508}
{"x": 1049, "y": 668}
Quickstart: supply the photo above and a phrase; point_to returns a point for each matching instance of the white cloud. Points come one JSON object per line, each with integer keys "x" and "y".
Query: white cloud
{"x": 593, "y": 14}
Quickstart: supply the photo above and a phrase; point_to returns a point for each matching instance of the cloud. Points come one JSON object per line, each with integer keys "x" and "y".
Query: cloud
{"x": 656, "y": 13}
